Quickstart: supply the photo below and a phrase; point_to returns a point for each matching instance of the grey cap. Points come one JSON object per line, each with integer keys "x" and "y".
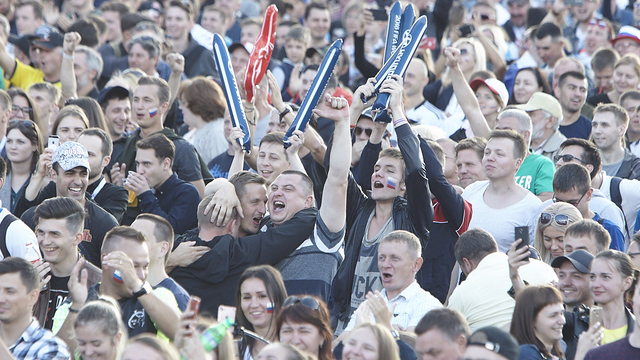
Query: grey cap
{"x": 70, "y": 155}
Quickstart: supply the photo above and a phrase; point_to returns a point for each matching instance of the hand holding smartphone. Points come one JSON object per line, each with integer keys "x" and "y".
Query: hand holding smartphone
{"x": 194, "y": 305}
{"x": 53, "y": 142}
{"x": 522, "y": 232}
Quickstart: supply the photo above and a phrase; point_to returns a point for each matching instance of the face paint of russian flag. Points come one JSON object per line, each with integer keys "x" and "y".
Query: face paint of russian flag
{"x": 392, "y": 183}
{"x": 270, "y": 308}
{"x": 153, "y": 112}
{"x": 117, "y": 277}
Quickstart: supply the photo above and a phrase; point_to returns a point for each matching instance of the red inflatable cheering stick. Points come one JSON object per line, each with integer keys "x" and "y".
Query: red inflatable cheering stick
{"x": 261, "y": 54}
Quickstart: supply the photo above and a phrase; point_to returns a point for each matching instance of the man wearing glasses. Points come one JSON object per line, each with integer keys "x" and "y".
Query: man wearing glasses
{"x": 572, "y": 184}
{"x": 585, "y": 153}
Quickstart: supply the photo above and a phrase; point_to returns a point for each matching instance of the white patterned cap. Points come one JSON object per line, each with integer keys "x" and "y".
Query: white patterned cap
{"x": 70, "y": 155}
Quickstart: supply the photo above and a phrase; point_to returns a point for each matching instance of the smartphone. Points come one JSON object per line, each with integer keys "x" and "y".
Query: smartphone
{"x": 194, "y": 305}
{"x": 573, "y": 2}
{"x": 53, "y": 142}
{"x": 379, "y": 14}
{"x": 466, "y": 30}
{"x": 428, "y": 43}
{"x": 595, "y": 315}
{"x": 225, "y": 312}
{"x": 522, "y": 232}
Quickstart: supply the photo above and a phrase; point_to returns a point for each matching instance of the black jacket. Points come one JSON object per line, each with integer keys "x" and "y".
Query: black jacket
{"x": 413, "y": 214}
{"x": 198, "y": 61}
{"x": 630, "y": 167}
{"x": 214, "y": 277}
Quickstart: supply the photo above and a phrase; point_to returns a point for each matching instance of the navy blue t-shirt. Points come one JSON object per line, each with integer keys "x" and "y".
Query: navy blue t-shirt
{"x": 579, "y": 129}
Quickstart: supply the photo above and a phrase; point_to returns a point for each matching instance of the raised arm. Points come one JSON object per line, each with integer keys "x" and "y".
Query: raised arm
{"x": 466, "y": 97}
{"x": 176, "y": 63}
{"x": 7, "y": 63}
{"x": 334, "y": 196}
{"x": 67, "y": 72}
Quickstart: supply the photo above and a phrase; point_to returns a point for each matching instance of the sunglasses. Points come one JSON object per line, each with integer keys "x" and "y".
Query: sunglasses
{"x": 25, "y": 110}
{"x": 571, "y": 202}
{"x": 305, "y": 301}
{"x": 25, "y": 123}
{"x": 567, "y": 158}
{"x": 560, "y": 219}
{"x": 599, "y": 23}
{"x": 358, "y": 130}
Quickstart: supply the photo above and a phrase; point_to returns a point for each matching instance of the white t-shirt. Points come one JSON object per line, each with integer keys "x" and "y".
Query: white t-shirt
{"x": 501, "y": 223}
{"x": 20, "y": 240}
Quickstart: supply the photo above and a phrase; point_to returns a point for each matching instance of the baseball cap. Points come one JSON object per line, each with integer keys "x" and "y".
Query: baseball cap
{"x": 111, "y": 92}
{"x": 580, "y": 259}
{"x": 47, "y": 37}
{"x": 496, "y": 340}
{"x": 152, "y": 5}
{"x": 248, "y": 47}
{"x": 627, "y": 32}
{"x": 496, "y": 86}
{"x": 21, "y": 42}
{"x": 542, "y": 101}
{"x": 322, "y": 51}
{"x": 70, "y": 155}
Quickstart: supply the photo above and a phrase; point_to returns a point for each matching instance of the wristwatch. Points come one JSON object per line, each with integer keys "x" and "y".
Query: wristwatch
{"x": 395, "y": 334}
{"x": 146, "y": 289}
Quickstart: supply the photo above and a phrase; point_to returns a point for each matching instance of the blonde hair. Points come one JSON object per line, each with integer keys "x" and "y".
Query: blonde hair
{"x": 499, "y": 39}
{"x": 630, "y": 59}
{"x": 554, "y": 209}
{"x": 387, "y": 347}
{"x": 480, "y": 57}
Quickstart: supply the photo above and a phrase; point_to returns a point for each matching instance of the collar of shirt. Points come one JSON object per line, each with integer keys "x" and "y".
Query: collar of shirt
{"x": 31, "y": 334}
{"x": 407, "y": 293}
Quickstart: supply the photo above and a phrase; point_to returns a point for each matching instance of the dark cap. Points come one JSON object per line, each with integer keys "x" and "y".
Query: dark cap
{"x": 321, "y": 51}
{"x": 23, "y": 42}
{"x": 580, "y": 259}
{"x": 248, "y": 47}
{"x": 520, "y": 2}
{"x": 129, "y": 21}
{"x": 152, "y": 5}
{"x": 112, "y": 92}
{"x": 47, "y": 37}
{"x": 496, "y": 340}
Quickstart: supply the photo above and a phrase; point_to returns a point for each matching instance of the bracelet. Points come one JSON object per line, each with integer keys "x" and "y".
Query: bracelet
{"x": 285, "y": 112}
{"x": 67, "y": 57}
{"x": 399, "y": 121}
{"x": 71, "y": 310}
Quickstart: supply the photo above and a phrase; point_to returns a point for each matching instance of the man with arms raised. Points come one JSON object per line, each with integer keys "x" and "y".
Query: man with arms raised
{"x": 372, "y": 216}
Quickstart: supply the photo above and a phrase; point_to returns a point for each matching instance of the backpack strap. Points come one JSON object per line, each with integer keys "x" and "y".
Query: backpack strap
{"x": 614, "y": 190}
{"x": 4, "y": 225}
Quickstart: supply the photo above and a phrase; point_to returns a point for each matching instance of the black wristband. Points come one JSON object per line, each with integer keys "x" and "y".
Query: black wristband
{"x": 285, "y": 112}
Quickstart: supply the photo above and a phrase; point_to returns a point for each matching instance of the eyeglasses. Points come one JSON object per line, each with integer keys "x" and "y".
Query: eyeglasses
{"x": 25, "y": 110}
{"x": 572, "y": 202}
{"x": 358, "y": 130}
{"x": 305, "y": 301}
{"x": 634, "y": 254}
{"x": 560, "y": 219}
{"x": 623, "y": 45}
{"x": 567, "y": 158}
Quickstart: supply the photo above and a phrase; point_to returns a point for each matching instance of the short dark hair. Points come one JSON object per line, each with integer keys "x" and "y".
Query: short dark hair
{"x": 591, "y": 228}
{"x": 164, "y": 92}
{"x": 305, "y": 180}
{"x": 119, "y": 233}
{"x": 629, "y": 95}
{"x": 315, "y": 5}
{"x": 204, "y": 220}
{"x": 571, "y": 176}
{"x": 590, "y": 154}
{"x": 243, "y": 178}
{"x": 129, "y": 21}
{"x": 573, "y": 74}
{"x": 28, "y": 273}
{"x": 619, "y": 113}
{"x": 549, "y": 29}
{"x": 450, "y": 322}
{"x": 163, "y": 147}
{"x": 62, "y": 208}
{"x": 115, "y": 6}
{"x": 88, "y": 31}
{"x": 519, "y": 146}
{"x": 107, "y": 145}
{"x": 162, "y": 230}
{"x": 474, "y": 245}
{"x": 275, "y": 137}
{"x": 604, "y": 58}
{"x": 184, "y": 5}
{"x": 3, "y": 168}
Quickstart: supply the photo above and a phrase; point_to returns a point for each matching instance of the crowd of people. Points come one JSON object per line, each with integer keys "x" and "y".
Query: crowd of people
{"x": 494, "y": 217}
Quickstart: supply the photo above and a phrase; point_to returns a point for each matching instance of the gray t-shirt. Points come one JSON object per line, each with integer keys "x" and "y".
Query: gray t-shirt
{"x": 612, "y": 169}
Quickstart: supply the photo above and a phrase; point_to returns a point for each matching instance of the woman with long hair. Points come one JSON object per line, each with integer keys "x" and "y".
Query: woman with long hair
{"x": 526, "y": 82}
{"x": 552, "y": 224}
{"x": 611, "y": 277}
{"x": 372, "y": 342}
{"x": 92, "y": 110}
{"x": 23, "y": 146}
{"x": 70, "y": 123}
{"x": 537, "y": 323}
{"x": 304, "y": 322}
{"x": 259, "y": 298}
{"x": 99, "y": 331}
{"x": 149, "y": 346}
{"x": 282, "y": 351}
{"x": 23, "y": 107}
